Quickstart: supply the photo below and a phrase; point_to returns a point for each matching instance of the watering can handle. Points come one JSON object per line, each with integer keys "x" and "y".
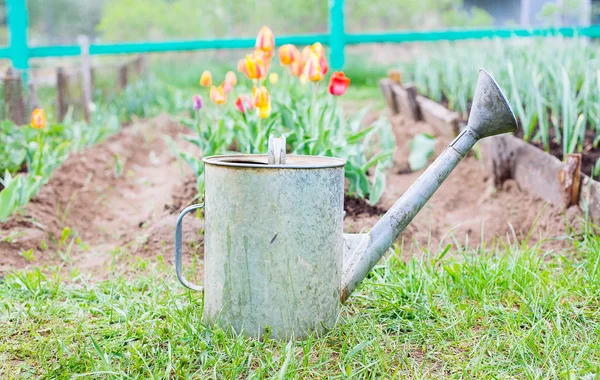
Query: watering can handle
{"x": 178, "y": 244}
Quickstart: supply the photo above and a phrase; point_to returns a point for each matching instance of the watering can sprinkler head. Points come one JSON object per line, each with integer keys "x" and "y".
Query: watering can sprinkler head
{"x": 490, "y": 115}
{"x": 490, "y": 112}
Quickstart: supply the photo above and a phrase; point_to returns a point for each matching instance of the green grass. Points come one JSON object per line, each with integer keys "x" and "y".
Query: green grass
{"x": 502, "y": 312}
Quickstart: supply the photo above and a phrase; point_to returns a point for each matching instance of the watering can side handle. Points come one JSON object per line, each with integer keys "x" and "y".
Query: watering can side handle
{"x": 179, "y": 243}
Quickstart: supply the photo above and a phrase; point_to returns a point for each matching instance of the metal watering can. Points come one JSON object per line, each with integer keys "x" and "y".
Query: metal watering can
{"x": 276, "y": 260}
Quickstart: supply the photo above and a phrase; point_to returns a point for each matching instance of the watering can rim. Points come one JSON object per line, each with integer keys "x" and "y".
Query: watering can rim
{"x": 260, "y": 161}
{"x": 502, "y": 95}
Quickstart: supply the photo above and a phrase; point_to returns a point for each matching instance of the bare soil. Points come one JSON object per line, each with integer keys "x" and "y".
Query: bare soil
{"x": 133, "y": 213}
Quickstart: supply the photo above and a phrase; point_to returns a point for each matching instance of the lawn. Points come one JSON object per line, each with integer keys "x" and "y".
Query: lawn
{"x": 502, "y": 311}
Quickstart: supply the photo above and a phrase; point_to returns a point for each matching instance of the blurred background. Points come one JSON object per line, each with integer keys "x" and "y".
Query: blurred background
{"x": 60, "y": 21}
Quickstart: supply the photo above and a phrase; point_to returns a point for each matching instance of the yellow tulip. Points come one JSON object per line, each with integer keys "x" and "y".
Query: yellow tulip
{"x": 38, "y": 118}
{"x": 265, "y": 111}
{"x": 254, "y": 66}
{"x": 273, "y": 78}
{"x": 260, "y": 97}
{"x": 206, "y": 79}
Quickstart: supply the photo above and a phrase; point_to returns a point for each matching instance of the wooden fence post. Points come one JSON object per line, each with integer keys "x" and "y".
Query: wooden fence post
{"x": 86, "y": 75}
{"x": 14, "y": 103}
{"x": 123, "y": 76}
{"x": 62, "y": 94}
{"x": 33, "y": 96}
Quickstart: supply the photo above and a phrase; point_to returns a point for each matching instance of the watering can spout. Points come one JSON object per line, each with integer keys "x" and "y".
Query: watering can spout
{"x": 490, "y": 115}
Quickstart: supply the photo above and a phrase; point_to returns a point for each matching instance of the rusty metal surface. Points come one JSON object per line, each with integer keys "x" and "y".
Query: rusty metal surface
{"x": 273, "y": 248}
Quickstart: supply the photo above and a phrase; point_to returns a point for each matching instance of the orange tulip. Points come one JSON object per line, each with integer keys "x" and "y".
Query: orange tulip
{"x": 230, "y": 81}
{"x": 288, "y": 54}
{"x": 243, "y": 104}
{"x": 217, "y": 95}
{"x": 312, "y": 68}
{"x": 265, "y": 41}
{"x": 254, "y": 66}
{"x": 296, "y": 68}
{"x": 38, "y": 118}
{"x": 206, "y": 79}
{"x": 338, "y": 83}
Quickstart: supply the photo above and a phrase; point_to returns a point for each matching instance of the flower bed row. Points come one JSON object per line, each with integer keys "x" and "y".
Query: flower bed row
{"x": 560, "y": 183}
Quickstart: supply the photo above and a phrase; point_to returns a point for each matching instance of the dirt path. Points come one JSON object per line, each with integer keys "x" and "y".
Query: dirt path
{"x": 130, "y": 211}
{"x": 120, "y": 197}
{"x": 466, "y": 210}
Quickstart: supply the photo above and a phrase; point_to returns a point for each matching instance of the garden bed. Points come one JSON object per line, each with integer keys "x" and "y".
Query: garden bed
{"x": 120, "y": 218}
{"x": 562, "y": 184}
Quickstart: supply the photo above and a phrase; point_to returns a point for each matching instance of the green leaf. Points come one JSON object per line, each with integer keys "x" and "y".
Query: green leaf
{"x": 378, "y": 185}
{"x": 421, "y": 148}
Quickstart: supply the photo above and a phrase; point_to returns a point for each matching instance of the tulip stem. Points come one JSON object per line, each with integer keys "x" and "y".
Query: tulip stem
{"x": 40, "y": 142}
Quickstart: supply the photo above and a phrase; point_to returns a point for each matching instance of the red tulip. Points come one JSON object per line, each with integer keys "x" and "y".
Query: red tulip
{"x": 243, "y": 104}
{"x": 338, "y": 83}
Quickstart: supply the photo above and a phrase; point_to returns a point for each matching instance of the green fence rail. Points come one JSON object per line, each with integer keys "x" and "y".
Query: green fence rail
{"x": 19, "y": 52}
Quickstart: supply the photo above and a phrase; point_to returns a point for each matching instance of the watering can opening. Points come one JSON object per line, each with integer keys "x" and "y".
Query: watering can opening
{"x": 261, "y": 161}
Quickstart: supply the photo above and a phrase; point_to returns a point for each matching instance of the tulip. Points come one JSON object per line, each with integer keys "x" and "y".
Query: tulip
{"x": 265, "y": 41}
{"x": 296, "y": 68}
{"x": 217, "y": 95}
{"x": 241, "y": 66}
{"x": 273, "y": 78}
{"x": 318, "y": 49}
{"x": 288, "y": 54}
{"x": 230, "y": 81}
{"x": 197, "y": 102}
{"x": 305, "y": 54}
{"x": 38, "y": 118}
{"x": 206, "y": 79}
{"x": 338, "y": 83}
{"x": 254, "y": 66}
{"x": 265, "y": 111}
{"x": 260, "y": 97}
{"x": 312, "y": 68}
{"x": 243, "y": 104}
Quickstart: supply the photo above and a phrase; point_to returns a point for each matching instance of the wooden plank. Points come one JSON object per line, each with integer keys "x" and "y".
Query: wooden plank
{"x": 589, "y": 198}
{"x": 385, "y": 85}
{"x": 535, "y": 171}
{"x": 444, "y": 121}
{"x": 406, "y": 101}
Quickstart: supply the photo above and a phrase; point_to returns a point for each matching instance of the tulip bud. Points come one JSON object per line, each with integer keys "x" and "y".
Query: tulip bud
{"x": 254, "y": 66}
{"x": 296, "y": 68}
{"x": 217, "y": 95}
{"x": 38, "y": 118}
{"x": 273, "y": 78}
{"x": 197, "y": 102}
{"x": 260, "y": 97}
{"x": 230, "y": 81}
{"x": 265, "y": 111}
{"x": 243, "y": 104}
{"x": 312, "y": 68}
{"x": 206, "y": 79}
{"x": 318, "y": 49}
{"x": 288, "y": 54}
{"x": 338, "y": 83}
{"x": 265, "y": 41}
